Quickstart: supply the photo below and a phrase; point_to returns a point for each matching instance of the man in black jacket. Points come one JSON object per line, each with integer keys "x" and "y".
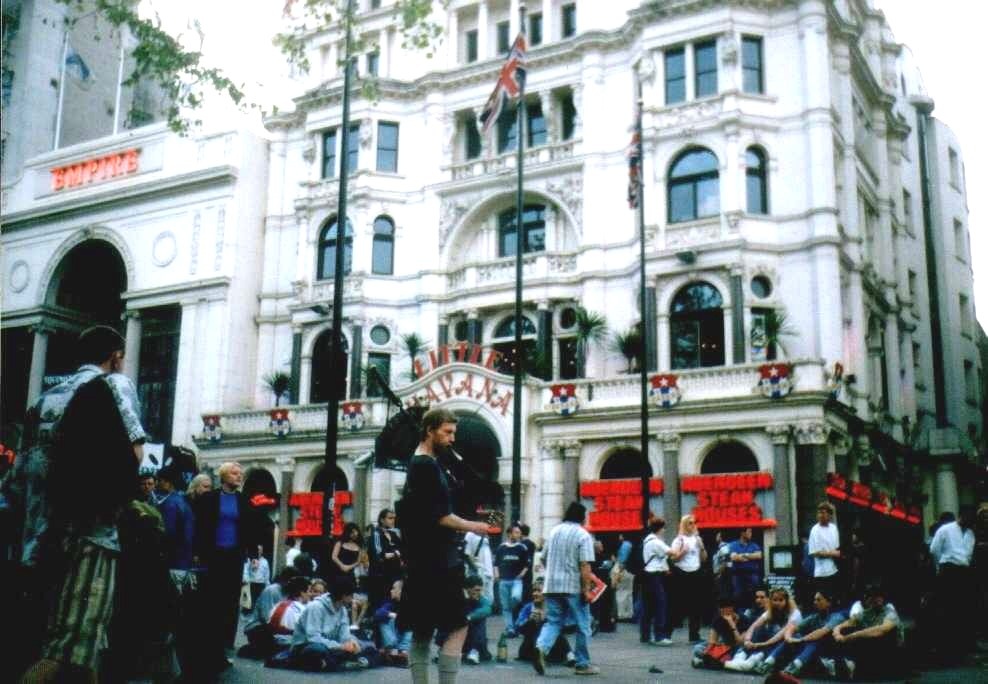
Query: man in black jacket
{"x": 227, "y": 528}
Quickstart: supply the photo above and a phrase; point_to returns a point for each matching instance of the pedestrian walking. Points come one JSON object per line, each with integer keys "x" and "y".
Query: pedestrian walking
{"x": 568, "y": 578}
{"x": 432, "y": 597}
{"x": 510, "y": 567}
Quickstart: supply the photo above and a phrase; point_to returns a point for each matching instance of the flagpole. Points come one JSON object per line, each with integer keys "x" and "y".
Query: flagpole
{"x": 120, "y": 71}
{"x": 642, "y": 355}
{"x": 61, "y": 90}
{"x": 519, "y": 251}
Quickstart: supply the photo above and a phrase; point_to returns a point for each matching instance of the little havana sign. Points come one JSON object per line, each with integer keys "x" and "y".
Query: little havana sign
{"x": 445, "y": 382}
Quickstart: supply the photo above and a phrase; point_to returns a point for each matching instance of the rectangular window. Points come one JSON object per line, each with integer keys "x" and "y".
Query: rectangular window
{"x": 473, "y": 145}
{"x": 387, "y": 147}
{"x": 675, "y": 62}
{"x": 960, "y": 241}
{"x": 965, "y": 310}
{"x": 503, "y": 37}
{"x": 970, "y": 387}
{"x": 373, "y": 58}
{"x": 569, "y": 20}
{"x": 329, "y": 154}
{"x": 567, "y": 113}
{"x": 382, "y": 362}
{"x": 471, "y": 45}
{"x": 752, "y": 78}
{"x": 537, "y": 134}
{"x": 955, "y": 167}
{"x": 507, "y": 129}
{"x": 705, "y": 63}
{"x": 353, "y": 147}
{"x": 567, "y": 359}
{"x": 535, "y": 29}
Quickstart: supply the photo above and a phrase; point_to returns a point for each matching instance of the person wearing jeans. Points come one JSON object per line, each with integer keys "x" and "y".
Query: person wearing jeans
{"x": 510, "y": 566}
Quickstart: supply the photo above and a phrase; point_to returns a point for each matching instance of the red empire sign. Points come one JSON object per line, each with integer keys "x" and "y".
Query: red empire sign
{"x": 728, "y": 500}
{"x": 95, "y": 170}
{"x": 309, "y": 521}
{"x": 617, "y": 503}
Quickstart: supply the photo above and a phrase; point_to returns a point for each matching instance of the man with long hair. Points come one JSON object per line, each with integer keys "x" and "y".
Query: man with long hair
{"x": 433, "y": 593}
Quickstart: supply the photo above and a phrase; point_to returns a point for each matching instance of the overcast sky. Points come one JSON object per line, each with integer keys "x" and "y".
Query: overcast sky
{"x": 945, "y": 38}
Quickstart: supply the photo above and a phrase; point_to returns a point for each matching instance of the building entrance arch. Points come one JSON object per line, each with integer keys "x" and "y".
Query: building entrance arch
{"x": 480, "y": 448}
{"x": 729, "y": 457}
{"x": 624, "y": 463}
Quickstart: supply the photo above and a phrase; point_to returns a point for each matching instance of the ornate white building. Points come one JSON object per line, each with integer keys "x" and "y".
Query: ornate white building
{"x": 791, "y": 165}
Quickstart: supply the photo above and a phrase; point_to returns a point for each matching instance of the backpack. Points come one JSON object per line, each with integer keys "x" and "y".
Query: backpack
{"x": 636, "y": 561}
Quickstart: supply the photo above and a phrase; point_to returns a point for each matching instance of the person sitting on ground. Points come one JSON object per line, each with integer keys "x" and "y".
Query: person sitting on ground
{"x": 260, "y": 640}
{"x": 317, "y": 587}
{"x": 478, "y": 610}
{"x": 867, "y": 641}
{"x": 760, "y": 605}
{"x": 812, "y": 634}
{"x": 322, "y": 641}
{"x": 770, "y": 629}
{"x": 285, "y": 615}
{"x": 725, "y": 631}
{"x": 394, "y": 645}
{"x": 530, "y": 621}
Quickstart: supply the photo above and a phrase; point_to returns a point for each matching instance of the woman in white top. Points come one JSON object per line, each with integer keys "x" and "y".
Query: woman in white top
{"x": 773, "y": 626}
{"x": 655, "y": 618}
{"x": 688, "y": 554}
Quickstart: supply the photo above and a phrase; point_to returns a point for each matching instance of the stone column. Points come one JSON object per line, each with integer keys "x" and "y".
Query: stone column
{"x": 132, "y": 351}
{"x": 442, "y": 332}
{"x": 811, "y": 470}
{"x": 384, "y": 49}
{"x": 553, "y": 500}
{"x": 453, "y": 54}
{"x": 356, "y": 359}
{"x": 946, "y": 484}
{"x": 361, "y": 473}
{"x": 294, "y": 388}
{"x": 737, "y": 310}
{"x": 578, "y": 107}
{"x": 671, "y": 504}
{"x": 548, "y": 21}
{"x": 651, "y": 349}
{"x": 286, "y": 465}
{"x": 549, "y": 114}
{"x": 544, "y": 349}
{"x": 474, "y": 328}
{"x": 513, "y": 17}
{"x": 571, "y": 470}
{"x": 483, "y": 29}
{"x": 786, "y": 531}
{"x": 665, "y": 352}
{"x": 39, "y": 354}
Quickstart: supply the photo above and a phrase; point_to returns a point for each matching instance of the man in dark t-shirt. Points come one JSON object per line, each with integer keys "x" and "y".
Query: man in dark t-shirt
{"x": 432, "y": 597}
{"x": 510, "y": 568}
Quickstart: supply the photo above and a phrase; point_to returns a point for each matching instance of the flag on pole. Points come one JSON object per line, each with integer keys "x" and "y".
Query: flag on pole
{"x": 634, "y": 164}
{"x": 77, "y": 68}
{"x": 509, "y": 84}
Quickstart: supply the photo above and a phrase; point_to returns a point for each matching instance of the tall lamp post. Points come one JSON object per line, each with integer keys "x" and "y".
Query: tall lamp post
{"x": 337, "y": 356}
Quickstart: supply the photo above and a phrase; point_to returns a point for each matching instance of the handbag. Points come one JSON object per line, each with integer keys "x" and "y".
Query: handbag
{"x": 245, "y": 601}
{"x": 715, "y": 655}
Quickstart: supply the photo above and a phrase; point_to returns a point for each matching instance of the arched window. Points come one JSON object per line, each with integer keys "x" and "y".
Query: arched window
{"x": 504, "y": 342}
{"x": 694, "y": 186}
{"x": 321, "y": 356}
{"x": 383, "y": 251}
{"x": 729, "y": 457}
{"x": 624, "y": 463}
{"x": 756, "y": 180}
{"x": 327, "y": 249}
{"x": 533, "y": 229}
{"x": 321, "y": 480}
{"x": 697, "y": 327}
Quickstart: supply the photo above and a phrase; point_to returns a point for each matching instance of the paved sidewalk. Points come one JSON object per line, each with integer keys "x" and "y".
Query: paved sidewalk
{"x": 619, "y": 655}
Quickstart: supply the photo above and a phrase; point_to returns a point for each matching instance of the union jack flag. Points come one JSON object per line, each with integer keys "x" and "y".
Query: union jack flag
{"x": 510, "y": 83}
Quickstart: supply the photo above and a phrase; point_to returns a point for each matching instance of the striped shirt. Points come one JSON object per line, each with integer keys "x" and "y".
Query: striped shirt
{"x": 568, "y": 546}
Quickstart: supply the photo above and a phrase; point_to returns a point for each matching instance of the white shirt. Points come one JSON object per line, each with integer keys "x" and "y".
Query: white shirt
{"x": 823, "y": 539}
{"x": 568, "y": 546}
{"x": 478, "y": 548}
{"x": 952, "y": 544}
{"x": 654, "y": 554}
{"x": 290, "y": 555}
{"x": 690, "y": 561}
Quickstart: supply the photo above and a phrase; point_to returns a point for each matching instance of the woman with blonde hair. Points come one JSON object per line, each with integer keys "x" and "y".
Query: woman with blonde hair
{"x": 688, "y": 555}
{"x": 771, "y": 628}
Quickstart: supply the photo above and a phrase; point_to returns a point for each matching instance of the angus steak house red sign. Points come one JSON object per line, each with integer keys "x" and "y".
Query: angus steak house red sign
{"x": 95, "y": 170}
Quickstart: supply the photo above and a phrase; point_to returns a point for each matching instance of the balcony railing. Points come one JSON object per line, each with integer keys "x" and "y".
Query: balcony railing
{"x": 534, "y": 267}
{"x": 508, "y": 160}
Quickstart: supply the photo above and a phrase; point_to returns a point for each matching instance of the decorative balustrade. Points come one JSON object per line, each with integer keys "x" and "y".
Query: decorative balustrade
{"x": 541, "y": 154}
{"x": 534, "y": 266}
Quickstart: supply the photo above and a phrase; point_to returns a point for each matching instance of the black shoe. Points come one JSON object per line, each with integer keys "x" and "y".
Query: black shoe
{"x": 538, "y": 661}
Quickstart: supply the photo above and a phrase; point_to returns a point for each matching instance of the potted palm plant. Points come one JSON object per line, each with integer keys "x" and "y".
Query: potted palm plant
{"x": 279, "y": 382}
{"x": 591, "y": 328}
{"x": 413, "y": 345}
{"x": 777, "y": 326}
{"x": 628, "y": 344}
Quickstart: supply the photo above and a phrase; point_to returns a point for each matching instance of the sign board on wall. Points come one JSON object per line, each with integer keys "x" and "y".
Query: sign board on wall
{"x": 101, "y": 168}
{"x": 309, "y": 505}
{"x": 617, "y": 504}
{"x": 444, "y": 381}
{"x": 729, "y": 500}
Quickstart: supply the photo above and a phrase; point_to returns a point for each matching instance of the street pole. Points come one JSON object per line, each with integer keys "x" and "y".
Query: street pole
{"x": 642, "y": 351}
{"x": 337, "y": 359}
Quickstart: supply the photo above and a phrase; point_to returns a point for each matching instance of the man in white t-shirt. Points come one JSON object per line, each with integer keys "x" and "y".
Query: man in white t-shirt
{"x": 867, "y": 642}
{"x": 824, "y": 546}
{"x": 952, "y": 548}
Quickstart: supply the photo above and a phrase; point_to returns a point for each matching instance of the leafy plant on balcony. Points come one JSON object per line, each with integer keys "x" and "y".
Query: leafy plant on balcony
{"x": 279, "y": 382}
{"x": 629, "y": 345}
{"x": 413, "y": 345}
{"x": 591, "y": 328}
{"x": 777, "y": 326}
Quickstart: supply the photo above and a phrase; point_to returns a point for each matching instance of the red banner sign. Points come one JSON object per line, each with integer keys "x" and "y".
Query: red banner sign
{"x": 309, "y": 521}
{"x": 617, "y": 503}
{"x": 728, "y": 500}
{"x": 95, "y": 170}
{"x": 860, "y": 494}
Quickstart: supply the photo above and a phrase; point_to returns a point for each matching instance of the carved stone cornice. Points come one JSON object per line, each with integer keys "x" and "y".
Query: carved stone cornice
{"x": 812, "y": 432}
{"x": 779, "y": 433}
{"x": 669, "y": 440}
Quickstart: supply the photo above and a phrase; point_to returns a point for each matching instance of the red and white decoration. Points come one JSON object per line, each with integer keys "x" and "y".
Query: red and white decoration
{"x": 281, "y": 426}
{"x": 564, "y": 400}
{"x": 665, "y": 390}
{"x": 775, "y": 381}
{"x": 211, "y": 428}
{"x": 353, "y": 415}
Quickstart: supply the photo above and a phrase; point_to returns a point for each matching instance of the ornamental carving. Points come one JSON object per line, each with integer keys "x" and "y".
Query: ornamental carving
{"x": 569, "y": 189}
{"x": 729, "y": 49}
{"x": 812, "y": 433}
{"x": 450, "y": 213}
{"x": 646, "y": 68}
{"x": 779, "y": 434}
{"x": 670, "y": 440}
{"x": 682, "y": 116}
{"x": 562, "y": 263}
{"x": 694, "y": 235}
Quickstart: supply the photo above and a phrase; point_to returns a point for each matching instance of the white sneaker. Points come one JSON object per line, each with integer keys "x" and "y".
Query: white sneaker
{"x": 752, "y": 662}
{"x": 851, "y": 666}
{"x": 473, "y": 657}
{"x": 739, "y": 663}
{"x": 830, "y": 666}
{"x": 665, "y": 642}
{"x": 571, "y": 658}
